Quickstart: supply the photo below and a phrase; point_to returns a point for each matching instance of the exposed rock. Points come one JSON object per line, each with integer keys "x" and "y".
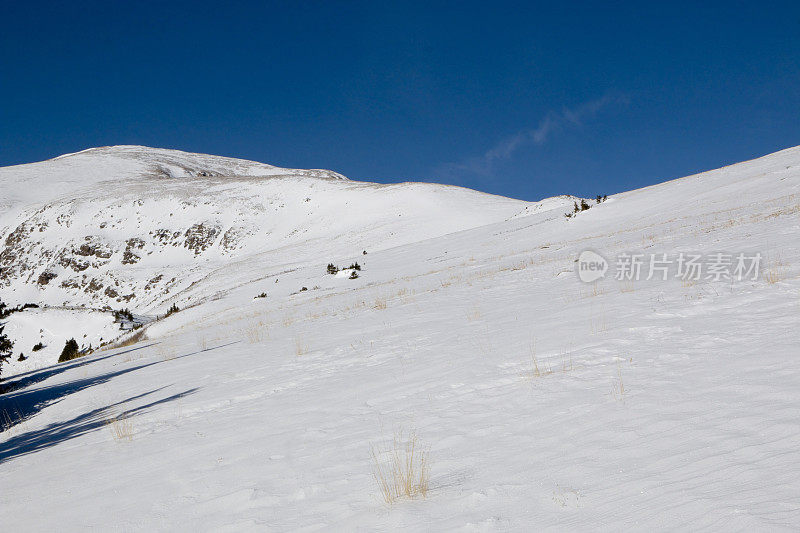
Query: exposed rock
{"x": 199, "y": 237}
{"x": 46, "y": 277}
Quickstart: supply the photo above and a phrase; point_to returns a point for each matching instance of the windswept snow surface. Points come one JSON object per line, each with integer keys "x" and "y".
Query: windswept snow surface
{"x": 545, "y": 403}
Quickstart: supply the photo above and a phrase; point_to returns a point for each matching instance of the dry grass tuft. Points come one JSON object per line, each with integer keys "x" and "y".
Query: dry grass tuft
{"x": 380, "y": 303}
{"x": 300, "y": 347}
{"x": 566, "y": 361}
{"x": 167, "y": 351}
{"x": 775, "y": 271}
{"x": 402, "y": 472}
{"x": 596, "y": 290}
{"x": 597, "y": 322}
{"x": 537, "y": 371}
{"x": 618, "y": 387}
{"x": 121, "y": 428}
{"x": 256, "y": 333}
{"x": 12, "y": 423}
{"x": 627, "y": 286}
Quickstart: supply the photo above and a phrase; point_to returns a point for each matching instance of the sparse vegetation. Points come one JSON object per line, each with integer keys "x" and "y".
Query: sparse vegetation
{"x": 332, "y": 269}
{"x": 133, "y": 339}
{"x": 262, "y": 295}
{"x": 584, "y": 205}
{"x": 6, "y": 311}
{"x": 354, "y": 266}
{"x": 172, "y": 310}
{"x": 38, "y": 346}
{"x": 402, "y": 472}
{"x": 353, "y": 275}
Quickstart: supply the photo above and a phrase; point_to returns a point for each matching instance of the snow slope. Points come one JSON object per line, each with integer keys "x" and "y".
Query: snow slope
{"x": 143, "y": 228}
{"x": 545, "y": 403}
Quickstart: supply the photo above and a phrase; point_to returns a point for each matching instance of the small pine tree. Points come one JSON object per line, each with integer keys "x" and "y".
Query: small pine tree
{"x": 6, "y": 347}
{"x": 173, "y": 309}
{"x": 70, "y": 351}
{"x": 584, "y": 205}
{"x": 354, "y": 275}
{"x": 355, "y": 266}
{"x": 332, "y": 269}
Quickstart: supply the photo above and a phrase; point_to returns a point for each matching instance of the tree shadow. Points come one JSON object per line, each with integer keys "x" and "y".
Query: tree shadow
{"x": 58, "y": 432}
{"x": 27, "y": 379}
{"x": 23, "y": 402}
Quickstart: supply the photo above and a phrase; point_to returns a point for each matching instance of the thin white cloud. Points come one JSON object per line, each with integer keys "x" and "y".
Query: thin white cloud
{"x": 553, "y": 122}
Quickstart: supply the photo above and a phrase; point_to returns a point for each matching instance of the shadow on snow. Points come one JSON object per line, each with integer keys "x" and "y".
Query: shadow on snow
{"x": 20, "y": 402}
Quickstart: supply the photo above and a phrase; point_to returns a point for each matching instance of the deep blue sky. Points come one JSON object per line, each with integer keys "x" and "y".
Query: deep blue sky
{"x": 523, "y": 99}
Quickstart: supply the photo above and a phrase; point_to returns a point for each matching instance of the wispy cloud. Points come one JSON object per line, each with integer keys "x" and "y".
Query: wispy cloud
{"x": 484, "y": 164}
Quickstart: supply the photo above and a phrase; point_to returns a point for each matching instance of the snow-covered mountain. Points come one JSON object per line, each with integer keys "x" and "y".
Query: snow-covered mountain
{"x": 544, "y": 402}
{"x": 138, "y": 227}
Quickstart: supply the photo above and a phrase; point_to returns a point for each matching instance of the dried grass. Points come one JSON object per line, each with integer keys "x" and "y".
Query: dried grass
{"x": 403, "y": 471}
{"x": 121, "y": 428}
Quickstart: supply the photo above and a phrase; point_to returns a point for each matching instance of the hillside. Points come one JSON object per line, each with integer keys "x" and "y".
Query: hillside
{"x": 142, "y": 229}
{"x": 543, "y": 402}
